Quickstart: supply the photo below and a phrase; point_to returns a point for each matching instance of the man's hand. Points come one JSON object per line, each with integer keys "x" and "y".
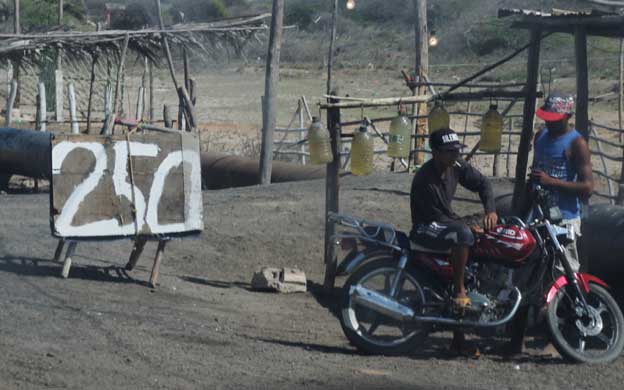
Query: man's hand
{"x": 489, "y": 221}
{"x": 542, "y": 178}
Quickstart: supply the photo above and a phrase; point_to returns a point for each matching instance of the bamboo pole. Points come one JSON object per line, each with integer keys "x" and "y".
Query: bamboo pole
{"x": 189, "y": 109}
{"x": 270, "y": 91}
{"x": 71, "y": 248}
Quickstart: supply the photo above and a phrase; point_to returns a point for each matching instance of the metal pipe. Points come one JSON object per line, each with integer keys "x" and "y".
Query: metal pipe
{"x": 27, "y": 153}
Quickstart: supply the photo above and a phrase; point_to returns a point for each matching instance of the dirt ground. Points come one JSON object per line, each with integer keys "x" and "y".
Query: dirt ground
{"x": 203, "y": 328}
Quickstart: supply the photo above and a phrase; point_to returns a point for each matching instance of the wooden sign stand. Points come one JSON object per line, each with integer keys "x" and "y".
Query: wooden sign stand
{"x": 137, "y": 250}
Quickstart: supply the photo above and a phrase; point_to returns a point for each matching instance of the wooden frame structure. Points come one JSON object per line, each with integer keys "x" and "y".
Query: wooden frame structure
{"x": 540, "y": 25}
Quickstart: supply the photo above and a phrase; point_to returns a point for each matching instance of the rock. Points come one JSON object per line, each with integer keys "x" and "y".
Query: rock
{"x": 286, "y": 280}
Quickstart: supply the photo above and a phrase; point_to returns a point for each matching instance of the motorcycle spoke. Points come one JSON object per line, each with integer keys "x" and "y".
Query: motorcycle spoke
{"x": 604, "y": 339}
{"x": 374, "y": 325}
{"x": 601, "y": 308}
{"x": 581, "y": 346}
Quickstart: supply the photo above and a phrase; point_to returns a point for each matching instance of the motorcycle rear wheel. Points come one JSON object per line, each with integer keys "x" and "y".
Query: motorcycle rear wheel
{"x": 372, "y": 332}
{"x": 597, "y": 338}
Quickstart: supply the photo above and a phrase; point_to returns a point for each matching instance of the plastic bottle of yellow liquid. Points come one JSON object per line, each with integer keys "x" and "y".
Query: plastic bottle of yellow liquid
{"x": 319, "y": 143}
{"x": 491, "y": 131}
{"x": 400, "y": 136}
{"x": 362, "y": 152}
{"x": 438, "y": 118}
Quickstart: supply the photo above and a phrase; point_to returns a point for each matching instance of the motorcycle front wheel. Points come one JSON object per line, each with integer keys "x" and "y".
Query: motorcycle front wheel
{"x": 375, "y": 333}
{"x": 594, "y": 337}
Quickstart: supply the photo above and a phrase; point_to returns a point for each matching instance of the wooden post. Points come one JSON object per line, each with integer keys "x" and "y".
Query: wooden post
{"x": 189, "y": 109}
{"x": 42, "y": 120}
{"x": 17, "y": 29}
{"x": 527, "y": 121}
{"x": 165, "y": 44}
{"x": 58, "y": 95}
{"x": 301, "y": 134}
{"x": 72, "y": 109}
{"x": 167, "y": 116}
{"x": 270, "y": 91}
{"x": 422, "y": 72}
{"x": 9, "y": 104}
{"x": 157, "y": 260}
{"x": 193, "y": 91}
{"x": 620, "y": 197}
{"x": 59, "y": 52}
{"x": 332, "y": 43}
{"x": 181, "y": 116}
{"x": 137, "y": 250}
{"x": 582, "y": 81}
{"x": 139, "y": 105}
{"x": 59, "y": 249}
{"x": 71, "y": 248}
{"x": 16, "y": 17}
{"x": 332, "y": 198}
{"x": 91, "y": 86}
{"x": 152, "y": 110}
{"x": 120, "y": 70}
{"x": 187, "y": 82}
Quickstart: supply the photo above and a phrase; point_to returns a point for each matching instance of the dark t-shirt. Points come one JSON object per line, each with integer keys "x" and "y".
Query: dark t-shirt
{"x": 432, "y": 193}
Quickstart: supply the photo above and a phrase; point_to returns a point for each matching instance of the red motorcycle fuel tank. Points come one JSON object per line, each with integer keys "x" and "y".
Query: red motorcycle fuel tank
{"x": 505, "y": 243}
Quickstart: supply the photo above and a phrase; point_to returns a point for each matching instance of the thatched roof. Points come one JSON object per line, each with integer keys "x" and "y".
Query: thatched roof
{"x": 205, "y": 38}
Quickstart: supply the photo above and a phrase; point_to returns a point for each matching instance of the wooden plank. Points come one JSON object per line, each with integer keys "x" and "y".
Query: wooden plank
{"x": 528, "y": 116}
{"x": 582, "y": 82}
{"x": 122, "y": 186}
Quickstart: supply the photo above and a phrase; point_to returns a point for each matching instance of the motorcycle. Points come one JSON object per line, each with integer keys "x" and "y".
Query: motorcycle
{"x": 399, "y": 292}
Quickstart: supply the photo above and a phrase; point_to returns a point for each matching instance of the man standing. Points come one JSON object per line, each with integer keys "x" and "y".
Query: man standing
{"x": 562, "y": 164}
{"x": 435, "y": 225}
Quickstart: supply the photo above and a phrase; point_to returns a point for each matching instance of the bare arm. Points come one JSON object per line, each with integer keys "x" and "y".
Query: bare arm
{"x": 584, "y": 186}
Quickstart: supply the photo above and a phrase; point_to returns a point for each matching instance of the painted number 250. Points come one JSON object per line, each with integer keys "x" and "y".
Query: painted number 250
{"x": 146, "y": 211}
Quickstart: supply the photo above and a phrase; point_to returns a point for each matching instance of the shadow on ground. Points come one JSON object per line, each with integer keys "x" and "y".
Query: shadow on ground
{"x": 40, "y": 267}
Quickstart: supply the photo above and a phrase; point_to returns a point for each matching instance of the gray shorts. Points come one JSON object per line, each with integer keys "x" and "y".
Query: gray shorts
{"x": 442, "y": 235}
{"x": 571, "y": 249}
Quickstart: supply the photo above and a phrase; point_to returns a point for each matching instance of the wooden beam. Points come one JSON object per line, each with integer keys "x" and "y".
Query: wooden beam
{"x": 165, "y": 44}
{"x": 582, "y": 81}
{"x": 527, "y": 123}
{"x": 16, "y": 17}
{"x": 270, "y": 92}
{"x": 332, "y": 198}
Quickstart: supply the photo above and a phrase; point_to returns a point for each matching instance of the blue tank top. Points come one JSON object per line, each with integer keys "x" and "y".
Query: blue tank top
{"x": 550, "y": 157}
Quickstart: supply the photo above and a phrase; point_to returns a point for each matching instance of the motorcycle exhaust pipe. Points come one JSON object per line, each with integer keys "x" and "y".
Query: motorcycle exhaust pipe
{"x": 381, "y": 303}
{"x": 395, "y": 310}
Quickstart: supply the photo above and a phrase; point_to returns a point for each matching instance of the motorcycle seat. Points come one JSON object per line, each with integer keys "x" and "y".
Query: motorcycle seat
{"x": 419, "y": 248}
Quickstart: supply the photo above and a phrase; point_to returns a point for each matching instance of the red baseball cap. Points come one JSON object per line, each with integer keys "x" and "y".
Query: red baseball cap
{"x": 556, "y": 107}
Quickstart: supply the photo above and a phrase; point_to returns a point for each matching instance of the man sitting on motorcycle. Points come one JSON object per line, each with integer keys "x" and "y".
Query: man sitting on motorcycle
{"x": 435, "y": 225}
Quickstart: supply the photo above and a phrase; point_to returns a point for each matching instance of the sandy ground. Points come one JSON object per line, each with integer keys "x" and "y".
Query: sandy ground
{"x": 203, "y": 328}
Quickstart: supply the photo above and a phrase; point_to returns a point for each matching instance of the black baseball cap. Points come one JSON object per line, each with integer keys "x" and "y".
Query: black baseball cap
{"x": 445, "y": 139}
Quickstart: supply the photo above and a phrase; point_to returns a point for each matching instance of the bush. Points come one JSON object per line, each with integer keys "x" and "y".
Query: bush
{"x": 492, "y": 35}
{"x": 199, "y": 10}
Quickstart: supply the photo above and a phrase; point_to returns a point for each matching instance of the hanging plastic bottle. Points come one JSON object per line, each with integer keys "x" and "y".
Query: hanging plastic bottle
{"x": 362, "y": 151}
{"x": 491, "y": 130}
{"x": 400, "y": 135}
{"x": 319, "y": 143}
{"x": 438, "y": 117}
